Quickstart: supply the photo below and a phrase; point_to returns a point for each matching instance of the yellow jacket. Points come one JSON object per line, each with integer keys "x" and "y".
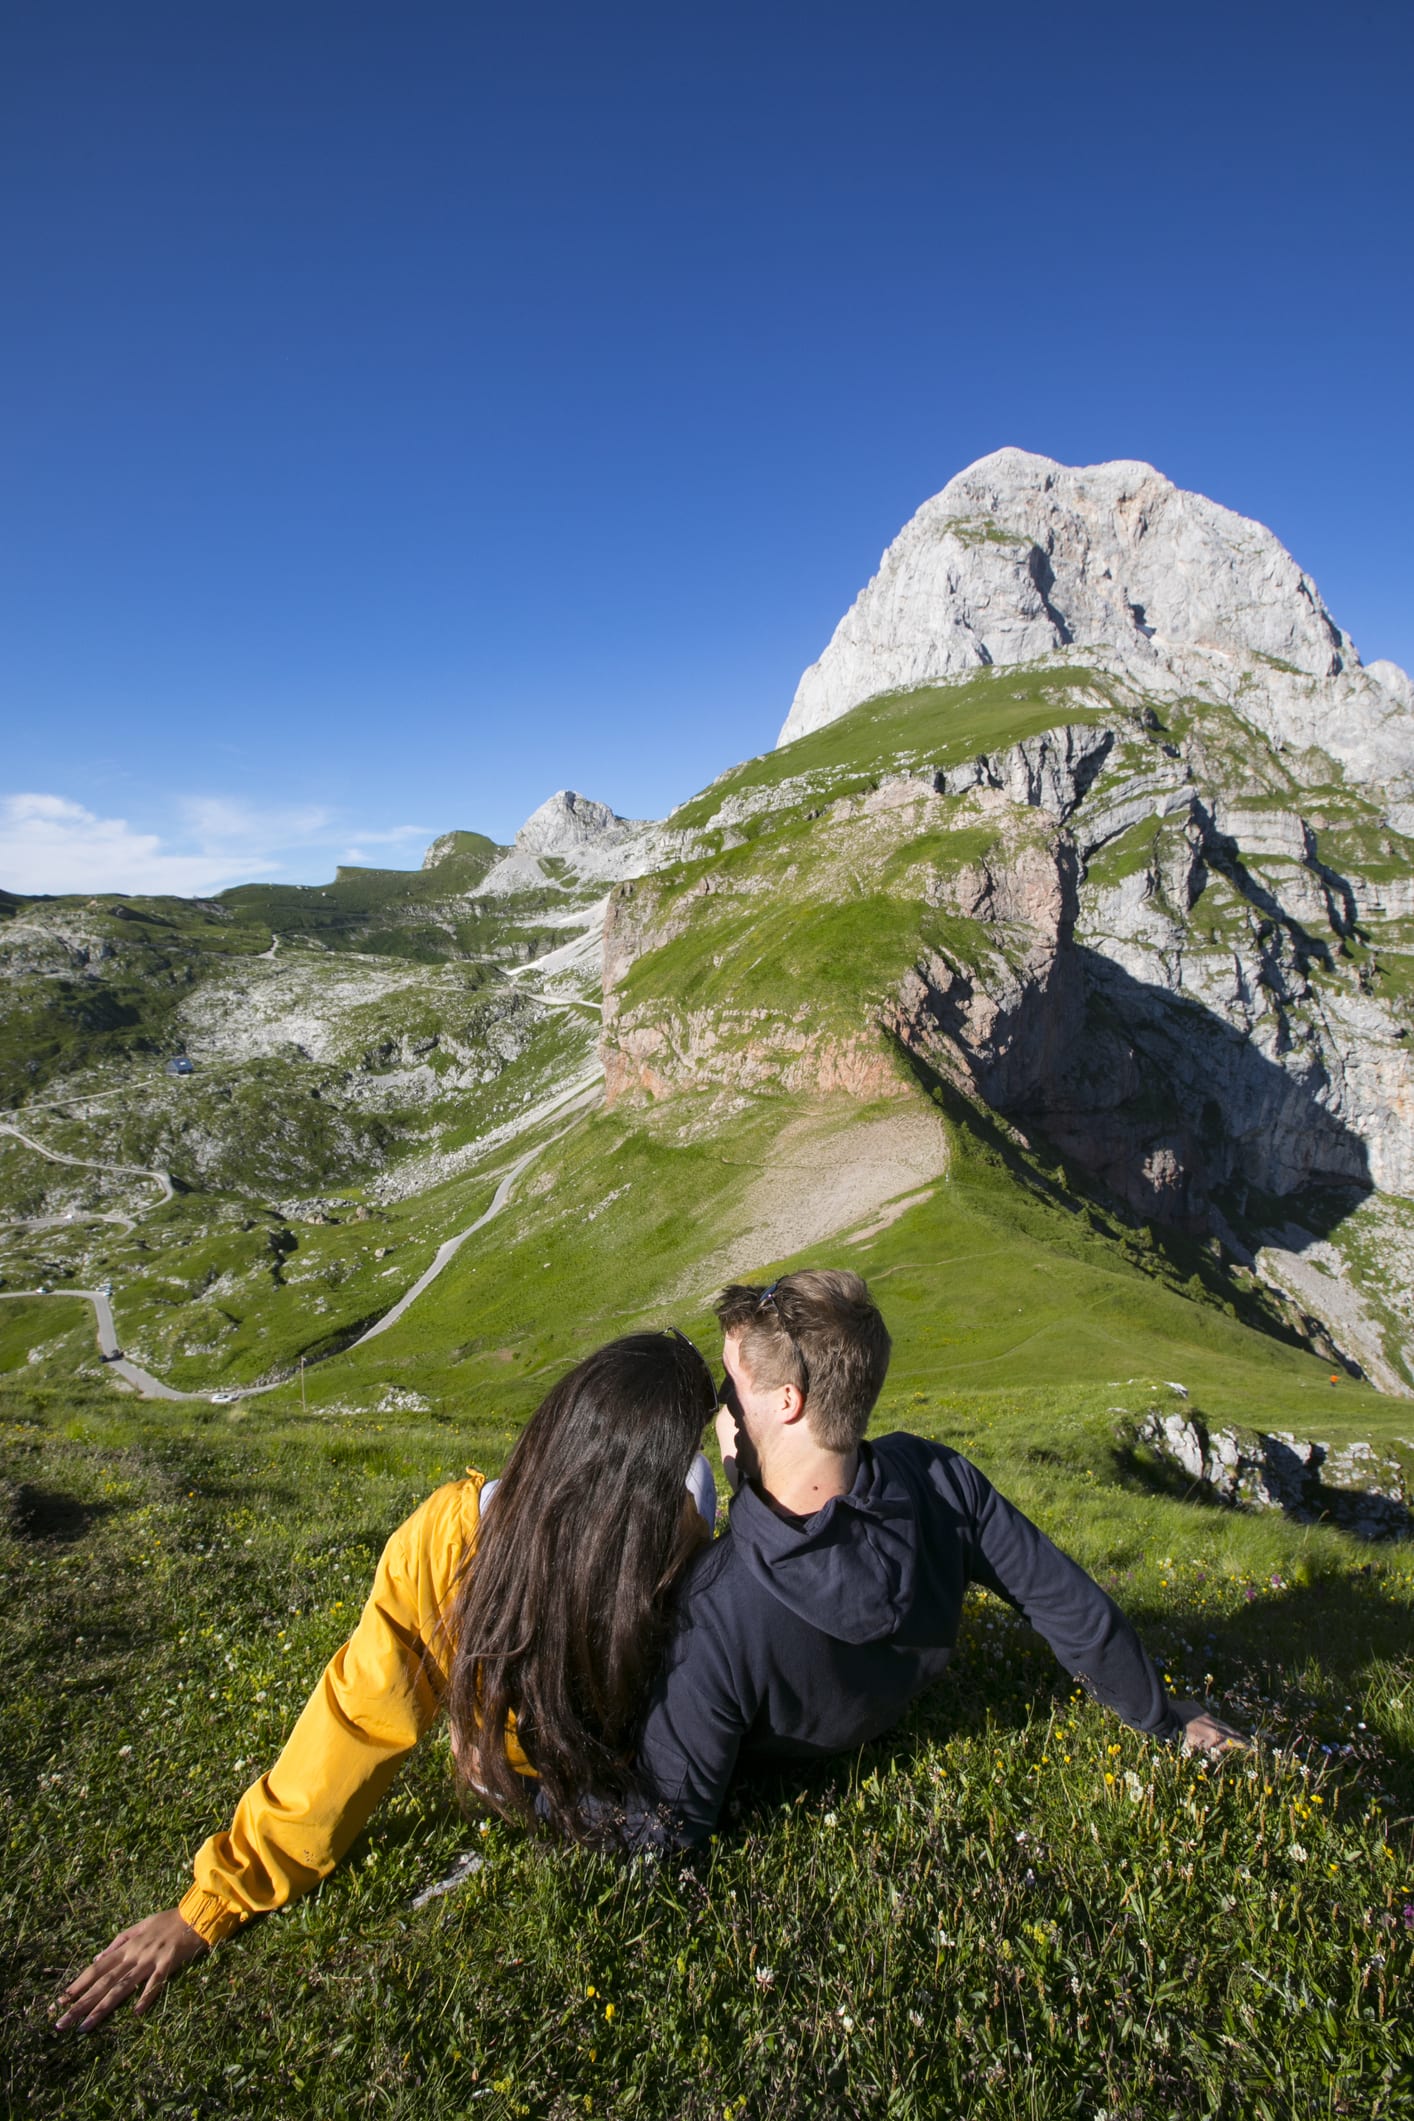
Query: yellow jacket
{"x": 377, "y": 1696}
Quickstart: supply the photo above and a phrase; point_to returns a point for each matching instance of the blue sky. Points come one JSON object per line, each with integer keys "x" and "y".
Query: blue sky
{"x": 412, "y": 410}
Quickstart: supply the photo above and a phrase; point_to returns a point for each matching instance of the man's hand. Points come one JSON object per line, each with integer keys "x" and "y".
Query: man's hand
{"x": 727, "y": 1445}
{"x": 144, "y": 1958}
{"x": 1203, "y": 1733}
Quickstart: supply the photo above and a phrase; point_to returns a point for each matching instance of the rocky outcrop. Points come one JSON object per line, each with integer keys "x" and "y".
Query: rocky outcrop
{"x": 1003, "y": 1023}
{"x": 1020, "y": 557}
{"x": 1050, "y": 772}
{"x": 571, "y": 840}
{"x": 1362, "y": 1490}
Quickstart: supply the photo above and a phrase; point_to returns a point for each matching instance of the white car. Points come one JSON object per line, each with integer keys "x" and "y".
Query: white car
{"x": 223, "y": 1399}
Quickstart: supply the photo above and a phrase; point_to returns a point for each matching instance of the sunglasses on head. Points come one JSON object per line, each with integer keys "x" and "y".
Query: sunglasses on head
{"x": 768, "y": 1296}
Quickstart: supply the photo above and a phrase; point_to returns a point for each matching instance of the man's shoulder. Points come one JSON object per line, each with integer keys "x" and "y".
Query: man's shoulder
{"x": 932, "y": 1473}
{"x": 903, "y": 1452}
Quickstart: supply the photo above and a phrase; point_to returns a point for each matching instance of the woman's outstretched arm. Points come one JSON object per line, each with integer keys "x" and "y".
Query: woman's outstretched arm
{"x": 374, "y": 1700}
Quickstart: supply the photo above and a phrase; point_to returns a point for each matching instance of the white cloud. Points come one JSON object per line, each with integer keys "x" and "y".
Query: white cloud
{"x": 51, "y": 844}
{"x": 215, "y": 821}
{"x": 396, "y": 836}
{"x": 48, "y": 844}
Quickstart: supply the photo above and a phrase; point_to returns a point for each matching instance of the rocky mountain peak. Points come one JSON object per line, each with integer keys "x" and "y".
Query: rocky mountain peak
{"x": 1020, "y": 557}
{"x": 567, "y": 822}
{"x": 579, "y": 839}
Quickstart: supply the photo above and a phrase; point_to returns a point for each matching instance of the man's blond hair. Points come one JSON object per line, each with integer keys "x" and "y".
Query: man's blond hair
{"x": 818, "y": 1330}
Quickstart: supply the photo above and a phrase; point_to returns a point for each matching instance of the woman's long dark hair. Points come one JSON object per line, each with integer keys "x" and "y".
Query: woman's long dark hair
{"x": 561, "y": 1615}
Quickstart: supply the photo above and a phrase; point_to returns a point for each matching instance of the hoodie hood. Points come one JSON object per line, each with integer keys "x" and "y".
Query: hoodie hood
{"x": 849, "y": 1570}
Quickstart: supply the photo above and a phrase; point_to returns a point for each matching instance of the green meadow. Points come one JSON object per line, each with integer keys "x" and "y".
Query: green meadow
{"x": 1012, "y": 1907}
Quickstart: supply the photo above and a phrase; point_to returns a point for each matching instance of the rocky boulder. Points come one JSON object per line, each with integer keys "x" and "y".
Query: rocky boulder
{"x": 1353, "y": 1486}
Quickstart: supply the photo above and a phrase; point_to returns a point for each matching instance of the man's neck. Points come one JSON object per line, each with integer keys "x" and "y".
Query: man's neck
{"x": 797, "y": 1483}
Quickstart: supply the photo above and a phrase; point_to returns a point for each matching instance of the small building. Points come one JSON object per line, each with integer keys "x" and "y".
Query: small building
{"x": 179, "y": 1065}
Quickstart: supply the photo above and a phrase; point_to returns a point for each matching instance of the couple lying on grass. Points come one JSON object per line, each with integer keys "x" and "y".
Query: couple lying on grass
{"x": 606, "y": 1666}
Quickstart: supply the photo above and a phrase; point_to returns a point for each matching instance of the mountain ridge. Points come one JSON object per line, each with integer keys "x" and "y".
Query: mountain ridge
{"x": 1136, "y": 927}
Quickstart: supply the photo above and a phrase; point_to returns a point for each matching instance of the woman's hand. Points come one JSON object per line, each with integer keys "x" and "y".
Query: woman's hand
{"x": 144, "y": 1957}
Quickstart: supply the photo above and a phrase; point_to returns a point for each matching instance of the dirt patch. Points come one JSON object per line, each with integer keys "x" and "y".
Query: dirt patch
{"x": 826, "y": 1174}
{"x": 890, "y": 1215}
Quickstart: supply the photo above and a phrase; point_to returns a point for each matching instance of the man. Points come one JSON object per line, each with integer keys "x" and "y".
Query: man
{"x": 834, "y": 1598}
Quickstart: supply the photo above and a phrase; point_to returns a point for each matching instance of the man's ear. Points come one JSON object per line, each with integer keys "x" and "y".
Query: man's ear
{"x": 793, "y": 1404}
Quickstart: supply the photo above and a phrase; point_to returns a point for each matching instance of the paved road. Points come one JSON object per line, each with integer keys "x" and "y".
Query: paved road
{"x": 149, "y": 1386}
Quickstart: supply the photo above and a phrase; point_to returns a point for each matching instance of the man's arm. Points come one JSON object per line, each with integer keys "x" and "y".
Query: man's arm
{"x": 1083, "y": 1625}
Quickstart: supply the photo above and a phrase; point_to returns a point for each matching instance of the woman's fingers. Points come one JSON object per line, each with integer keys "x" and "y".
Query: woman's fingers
{"x": 81, "y": 1992}
{"x": 156, "y": 1982}
{"x": 143, "y": 1957}
{"x": 100, "y": 1999}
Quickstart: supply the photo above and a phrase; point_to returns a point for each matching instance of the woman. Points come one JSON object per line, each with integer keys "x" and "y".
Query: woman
{"x": 538, "y": 1627}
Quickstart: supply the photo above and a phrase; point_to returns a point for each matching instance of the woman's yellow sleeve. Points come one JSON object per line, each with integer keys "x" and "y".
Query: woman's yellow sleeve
{"x": 377, "y": 1696}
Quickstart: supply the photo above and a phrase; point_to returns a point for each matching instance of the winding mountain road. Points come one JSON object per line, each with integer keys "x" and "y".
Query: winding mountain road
{"x": 152, "y": 1387}
{"x": 87, "y": 1163}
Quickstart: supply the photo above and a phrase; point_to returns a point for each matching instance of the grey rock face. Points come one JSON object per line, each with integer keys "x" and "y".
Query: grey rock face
{"x": 1177, "y": 987}
{"x": 1020, "y": 557}
{"x": 1050, "y": 772}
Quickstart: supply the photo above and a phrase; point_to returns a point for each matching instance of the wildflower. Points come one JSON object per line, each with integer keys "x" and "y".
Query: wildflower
{"x": 764, "y": 1976}
{"x": 915, "y": 2017}
{"x": 125, "y": 1752}
{"x": 591, "y": 1990}
{"x": 1297, "y": 1853}
{"x": 846, "y": 2022}
{"x": 832, "y": 1818}
{"x": 608, "y": 2010}
{"x": 1408, "y": 1916}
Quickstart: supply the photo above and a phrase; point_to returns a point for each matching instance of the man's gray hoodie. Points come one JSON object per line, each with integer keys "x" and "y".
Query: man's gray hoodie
{"x": 798, "y": 1638}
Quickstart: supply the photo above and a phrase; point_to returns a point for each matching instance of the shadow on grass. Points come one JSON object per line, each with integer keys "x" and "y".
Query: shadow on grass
{"x": 49, "y": 1517}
